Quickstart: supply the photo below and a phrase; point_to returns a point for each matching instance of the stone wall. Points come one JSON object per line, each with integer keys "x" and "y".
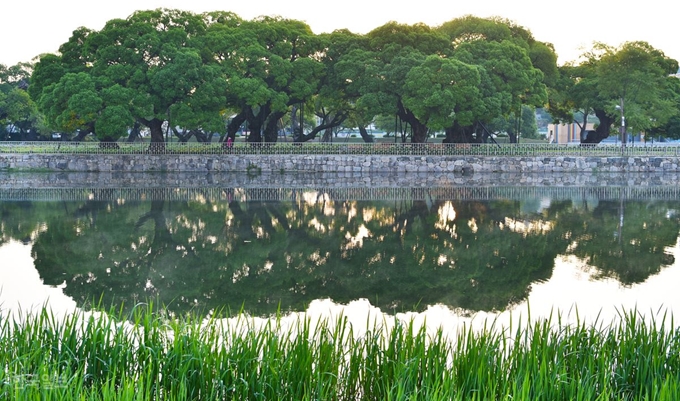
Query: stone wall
{"x": 334, "y": 163}
{"x": 270, "y": 186}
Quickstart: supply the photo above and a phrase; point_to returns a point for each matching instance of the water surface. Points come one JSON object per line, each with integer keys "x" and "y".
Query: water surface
{"x": 449, "y": 251}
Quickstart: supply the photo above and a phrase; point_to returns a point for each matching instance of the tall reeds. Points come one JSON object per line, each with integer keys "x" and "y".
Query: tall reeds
{"x": 150, "y": 355}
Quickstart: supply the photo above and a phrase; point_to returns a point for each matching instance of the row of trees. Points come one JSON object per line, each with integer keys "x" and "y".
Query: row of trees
{"x": 200, "y": 74}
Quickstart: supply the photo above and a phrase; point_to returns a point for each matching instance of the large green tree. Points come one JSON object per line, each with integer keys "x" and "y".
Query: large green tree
{"x": 637, "y": 74}
{"x": 50, "y": 88}
{"x": 631, "y": 81}
{"x": 333, "y": 104}
{"x": 142, "y": 69}
{"x": 19, "y": 116}
{"x": 269, "y": 65}
{"x": 404, "y": 70}
{"x": 76, "y": 104}
{"x": 670, "y": 129}
{"x": 515, "y": 70}
{"x": 151, "y": 56}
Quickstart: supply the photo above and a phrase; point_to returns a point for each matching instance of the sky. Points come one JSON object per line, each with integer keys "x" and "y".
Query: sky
{"x": 33, "y": 27}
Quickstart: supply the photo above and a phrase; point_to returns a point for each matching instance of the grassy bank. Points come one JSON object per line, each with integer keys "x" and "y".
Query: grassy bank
{"x": 381, "y": 147}
{"x": 149, "y": 356}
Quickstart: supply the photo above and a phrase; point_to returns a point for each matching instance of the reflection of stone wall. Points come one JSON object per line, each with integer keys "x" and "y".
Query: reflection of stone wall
{"x": 28, "y": 180}
{"x": 323, "y": 194}
{"x": 336, "y": 163}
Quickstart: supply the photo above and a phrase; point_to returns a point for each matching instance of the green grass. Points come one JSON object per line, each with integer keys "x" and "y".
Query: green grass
{"x": 380, "y": 147}
{"x": 152, "y": 356}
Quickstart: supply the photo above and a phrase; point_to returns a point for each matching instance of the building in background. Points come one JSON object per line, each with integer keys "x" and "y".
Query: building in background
{"x": 566, "y": 133}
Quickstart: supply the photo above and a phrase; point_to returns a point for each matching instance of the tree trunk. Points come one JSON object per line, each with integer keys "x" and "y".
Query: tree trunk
{"x": 255, "y": 128}
{"x": 271, "y": 129}
{"x": 183, "y": 136}
{"x": 232, "y": 128}
{"x": 419, "y": 129}
{"x": 459, "y": 133}
{"x": 364, "y": 134}
{"x": 294, "y": 124}
{"x": 234, "y": 125}
{"x": 329, "y": 121}
{"x": 84, "y": 132}
{"x": 602, "y": 130}
{"x": 80, "y": 136}
{"x": 155, "y": 126}
{"x": 483, "y": 134}
{"x": 582, "y": 125}
{"x": 327, "y": 135}
{"x": 134, "y": 132}
{"x": 201, "y": 136}
{"x": 256, "y": 122}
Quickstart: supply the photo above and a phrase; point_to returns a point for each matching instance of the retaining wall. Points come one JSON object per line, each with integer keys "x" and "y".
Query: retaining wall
{"x": 334, "y": 163}
{"x": 223, "y": 186}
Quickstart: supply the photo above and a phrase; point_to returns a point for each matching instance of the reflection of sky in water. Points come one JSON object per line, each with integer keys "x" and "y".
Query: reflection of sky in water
{"x": 21, "y": 288}
{"x": 570, "y": 287}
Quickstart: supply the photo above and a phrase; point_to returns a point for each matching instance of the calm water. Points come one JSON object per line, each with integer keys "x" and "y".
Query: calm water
{"x": 448, "y": 254}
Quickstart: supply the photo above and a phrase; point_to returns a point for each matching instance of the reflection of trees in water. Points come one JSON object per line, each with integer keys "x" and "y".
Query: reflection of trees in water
{"x": 622, "y": 240}
{"x": 401, "y": 255}
{"x": 23, "y": 220}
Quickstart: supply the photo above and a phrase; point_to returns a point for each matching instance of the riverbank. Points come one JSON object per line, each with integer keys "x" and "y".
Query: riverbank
{"x": 353, "y": 163}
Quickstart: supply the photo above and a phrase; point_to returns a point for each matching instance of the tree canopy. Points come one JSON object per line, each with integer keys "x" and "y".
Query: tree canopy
{"x": 19, "y": 115}
{"x": 173, "y": 71}
{"x": 633, "y": 81}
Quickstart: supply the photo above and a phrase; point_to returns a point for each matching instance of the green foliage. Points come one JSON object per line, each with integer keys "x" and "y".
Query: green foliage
{"x": 19, "y": 116}
{"x": 670, "y": 128}
{"x": 635, "y": 76}
{"x": 515, "y": 69}
{"x": 269, "y": 64}
{"x": 185, "y": 70}
{"x": 512, "y": 80}
{"x": 136, "y": 69}
{"x": 18, "y": 111}
{"x": 72, "y": 103}
{"x": 637, "y": 73}
{"x": 152, "y": 355}
{"x": 395, "y": 69}
{"x": 527, "y": 125}
{"x": 439, "y": 90}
